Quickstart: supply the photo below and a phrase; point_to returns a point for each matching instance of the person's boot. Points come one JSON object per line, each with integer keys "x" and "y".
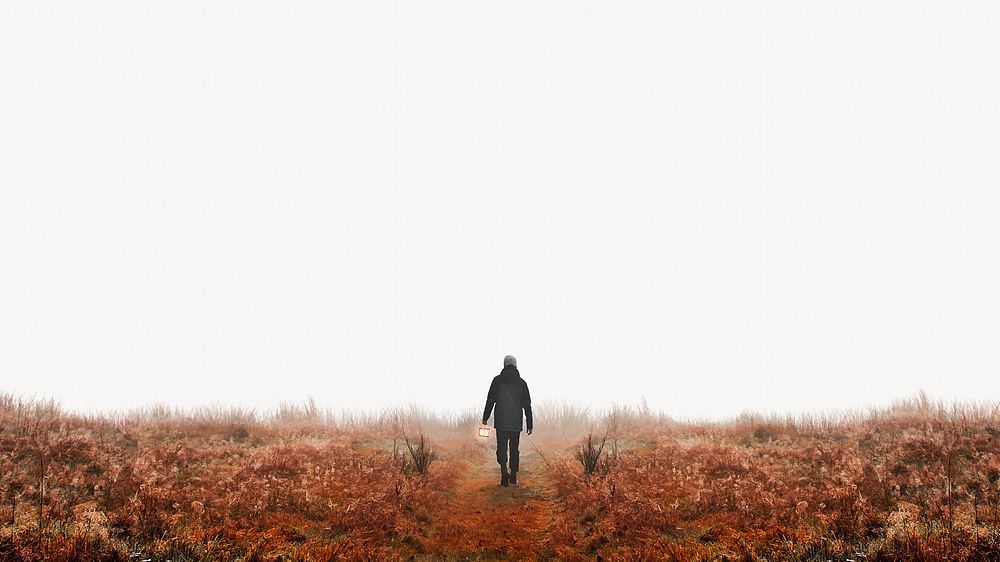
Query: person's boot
{"x": 504, "y": 477}
{"x": 513, "y": 477}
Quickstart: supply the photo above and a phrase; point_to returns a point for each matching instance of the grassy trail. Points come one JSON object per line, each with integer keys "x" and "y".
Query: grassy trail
{"x": 488, "y": 522}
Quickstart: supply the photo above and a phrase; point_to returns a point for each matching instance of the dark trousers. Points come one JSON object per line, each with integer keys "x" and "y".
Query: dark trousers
{"x": 512, "y": 438}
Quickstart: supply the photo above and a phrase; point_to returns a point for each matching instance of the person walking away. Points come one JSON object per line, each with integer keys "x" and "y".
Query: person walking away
{"x": 509, "y": 393}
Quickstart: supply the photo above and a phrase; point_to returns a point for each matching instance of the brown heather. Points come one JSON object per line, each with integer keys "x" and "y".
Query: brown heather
{"x": 916, "y": 481}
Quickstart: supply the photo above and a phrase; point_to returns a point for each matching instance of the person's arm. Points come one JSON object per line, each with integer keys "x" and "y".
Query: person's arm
{"x": 491, "y": 399}
{"x": 526, "y": 404}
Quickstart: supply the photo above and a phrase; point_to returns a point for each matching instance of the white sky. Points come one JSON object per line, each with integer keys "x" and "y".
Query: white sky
{"x": 719, "y": 206}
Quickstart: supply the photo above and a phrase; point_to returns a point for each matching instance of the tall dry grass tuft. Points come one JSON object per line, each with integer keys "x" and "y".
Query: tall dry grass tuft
{"x": 422, "y": 454}
{"x": 589, "y": 454}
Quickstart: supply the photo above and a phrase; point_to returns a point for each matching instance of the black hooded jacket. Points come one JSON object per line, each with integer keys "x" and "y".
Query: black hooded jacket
{"x": 510, "y": 394}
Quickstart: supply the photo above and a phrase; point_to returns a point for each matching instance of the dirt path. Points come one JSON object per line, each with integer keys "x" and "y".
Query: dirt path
{"x": 488, "y": 522}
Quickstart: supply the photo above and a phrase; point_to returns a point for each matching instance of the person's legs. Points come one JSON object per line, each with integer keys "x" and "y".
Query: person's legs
{"x": 515, "y": 455}
{"x": 502, "y": 438}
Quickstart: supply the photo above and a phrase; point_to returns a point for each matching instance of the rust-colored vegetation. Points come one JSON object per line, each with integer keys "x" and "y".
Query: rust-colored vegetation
{"x": 917, "y": 481}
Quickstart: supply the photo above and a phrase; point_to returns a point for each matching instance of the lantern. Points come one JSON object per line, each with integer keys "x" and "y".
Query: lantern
{"x": 484, "y": 431}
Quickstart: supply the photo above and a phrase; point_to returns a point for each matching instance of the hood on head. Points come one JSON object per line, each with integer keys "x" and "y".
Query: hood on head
{"x": 510, "y": 371}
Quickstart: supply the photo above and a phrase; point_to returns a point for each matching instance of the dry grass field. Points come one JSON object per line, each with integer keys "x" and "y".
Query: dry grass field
{"x": 916, "y": 481}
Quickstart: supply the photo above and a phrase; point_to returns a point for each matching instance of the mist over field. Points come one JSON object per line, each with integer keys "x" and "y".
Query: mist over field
{"x": 262, "y": 265}
{"x": 716, "y": 208}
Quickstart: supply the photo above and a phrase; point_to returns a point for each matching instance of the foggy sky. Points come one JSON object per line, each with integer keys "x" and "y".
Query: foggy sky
{"x": 718, "y": 206}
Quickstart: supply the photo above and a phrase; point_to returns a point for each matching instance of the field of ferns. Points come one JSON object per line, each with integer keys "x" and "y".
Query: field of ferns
{"x": 919, "y": 480}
